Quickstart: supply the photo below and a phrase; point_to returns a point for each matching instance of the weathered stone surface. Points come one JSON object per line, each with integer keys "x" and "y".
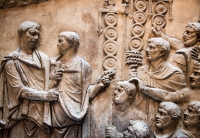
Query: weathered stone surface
{"x": 115, "y": 36}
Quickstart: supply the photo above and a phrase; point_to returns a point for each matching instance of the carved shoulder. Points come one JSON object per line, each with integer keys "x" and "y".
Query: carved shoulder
{"x": 10, "y": 66}
{"x": 180, "y": 61}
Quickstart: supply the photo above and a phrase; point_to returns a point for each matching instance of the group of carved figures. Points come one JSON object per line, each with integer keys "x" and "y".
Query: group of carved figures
{"x": 43, "y": 97}
{"x": 152, "y": 104}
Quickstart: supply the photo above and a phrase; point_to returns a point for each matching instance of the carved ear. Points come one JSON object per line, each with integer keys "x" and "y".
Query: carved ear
{"x": 162, "y": 53}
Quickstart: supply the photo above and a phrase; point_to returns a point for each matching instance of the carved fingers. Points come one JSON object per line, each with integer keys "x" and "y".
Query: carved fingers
{"x": 157, "y": 31}
{"x": 58, "y": 75}
{"x": 195, "y": 53}
{"x": 52, "y": 95}
{"x": 111, "y": 132}
{"x": 106, "y": 77}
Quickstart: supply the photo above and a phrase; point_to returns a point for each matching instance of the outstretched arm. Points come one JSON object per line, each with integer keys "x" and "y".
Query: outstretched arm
{"x": 175, "y": 43}
{"x": 17, "y": 89}
{"x": 159, "y": 94}
{"x": 102, "y": 82}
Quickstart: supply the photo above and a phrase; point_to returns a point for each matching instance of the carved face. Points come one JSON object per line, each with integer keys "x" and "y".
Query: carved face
{"x": 153, "y": 52}
{"x": 30, "y": 38}
{"x": 189, "y": 37}
{"x": 191, "y": 118}
{"x": 63, "y": 45}
{"x": 120, "y": 95}
{"x": 163, "y": 119}
{"x": 130, "y": 133}
{"x": 195, "y": 80}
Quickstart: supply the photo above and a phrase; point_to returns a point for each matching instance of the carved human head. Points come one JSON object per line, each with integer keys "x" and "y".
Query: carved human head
{"x": 124, "y": 91}
{"x": 157, "y": 48}
{"x": 68, "y": 40}
{"x": 195, "y": 76}
{"x": 192, "y": 34}
{"x": 28, "y": 33}
{"x": 192, "y": 115}
{"x": 137, "y": 129}
{"x": 168, "y": 115}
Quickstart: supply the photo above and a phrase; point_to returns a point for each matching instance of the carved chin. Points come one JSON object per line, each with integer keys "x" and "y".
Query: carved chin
{"x": 158, "y": 125}
{"x": 187, "y": 123}
{"x": 190, "y": 43}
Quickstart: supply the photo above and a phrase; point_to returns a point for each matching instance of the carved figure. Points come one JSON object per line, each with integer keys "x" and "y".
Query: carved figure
{"x": 159, "y": 73}
{"x": 127, "y": 105}
{"x": 182, "y": 95}
{"x": 24, "y": 88}
{"x": 192, "y": 119}
{"x": 136, "y": 129}
{"x": 74, "y": 94}
{"x": 167, "y": 120}
{"x": 183, "y": 58}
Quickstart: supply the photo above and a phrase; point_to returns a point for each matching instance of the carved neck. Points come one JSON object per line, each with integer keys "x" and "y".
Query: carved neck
{"x": 68, "y": 56}
{"x": 156, "y": 64}
{"x": 167, "y": 130}
{"x": 123, "y": 107}
{"x": 25, "y": 50}
{"x": 193, "y": 129}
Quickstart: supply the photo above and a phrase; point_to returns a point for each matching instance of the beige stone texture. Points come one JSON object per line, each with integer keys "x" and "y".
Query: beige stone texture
{"x": 81, "y": 16}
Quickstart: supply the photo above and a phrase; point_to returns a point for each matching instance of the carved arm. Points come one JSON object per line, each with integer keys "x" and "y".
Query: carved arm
{"x": 32, "y": 94}
{"x": 102, "y": 82}
{"x": 159, "y": 94}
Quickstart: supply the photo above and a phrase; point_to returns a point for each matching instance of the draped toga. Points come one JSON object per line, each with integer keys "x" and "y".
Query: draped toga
{"x": 166, "y": 77}
{"x": 23, "y": 73}
{"x": 72, "y": 105}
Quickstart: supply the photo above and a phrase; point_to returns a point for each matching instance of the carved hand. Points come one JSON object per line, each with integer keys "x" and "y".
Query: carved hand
{"x": 111, "y": 132}
{"x": 141, "y": 85}
{"x": 106, "y": 77}
{"x": 58, "y": 75}
{"x": 158, "y": 32}
{"x": 55, "y": 78}
{"x": 195, "y": 53}
{"x": 52, "y": 95}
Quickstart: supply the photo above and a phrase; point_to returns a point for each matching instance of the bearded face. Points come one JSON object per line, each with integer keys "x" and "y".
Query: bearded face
{"x": 189, "y": 36}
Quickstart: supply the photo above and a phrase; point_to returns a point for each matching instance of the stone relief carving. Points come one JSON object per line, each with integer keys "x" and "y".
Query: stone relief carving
{"x": 53, "y": 95}
{"x": 186, "y": 52}
{"x": 27, "y": 91}
{"x": 24, "y": 105}
{"x": 191, "y": 119}
{"x": 74, "y": 93}
{"x": 18, "y": 3}
{"x": 136, "y": 128}
{"x": 167, "y": 120}
{"x": 127, "y": 105}
{"x": 181, "y": 95}
{"x": 110, "y": 33}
